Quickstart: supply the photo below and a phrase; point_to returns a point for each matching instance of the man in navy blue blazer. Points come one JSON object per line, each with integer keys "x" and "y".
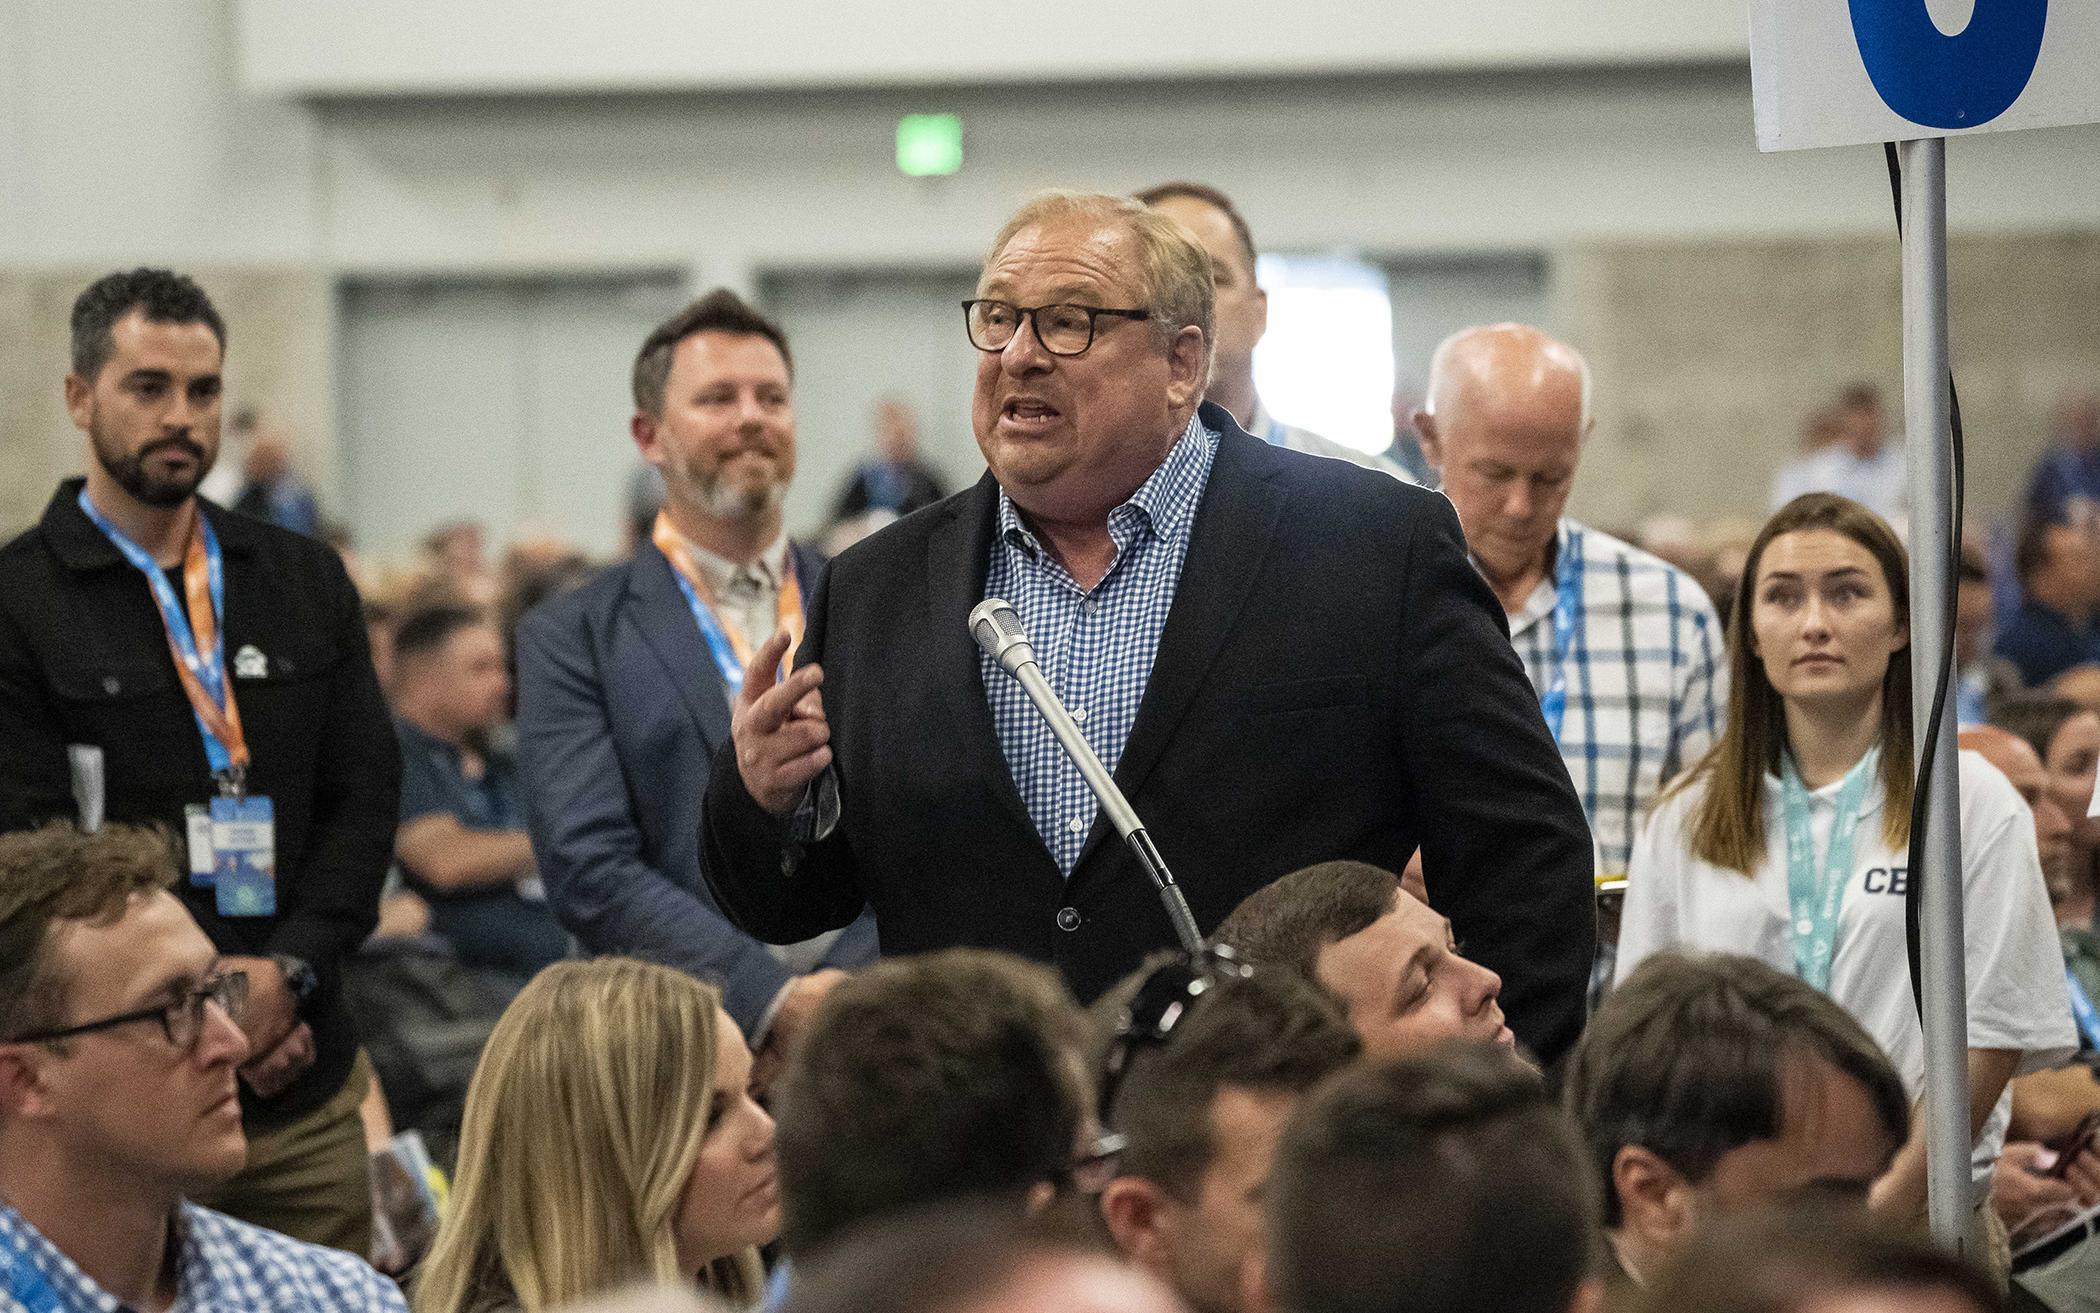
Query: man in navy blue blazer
{"x": 624, "y": 684}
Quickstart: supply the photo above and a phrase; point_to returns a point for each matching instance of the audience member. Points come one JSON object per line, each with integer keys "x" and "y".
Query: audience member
{"x": 1251, "y": 741}
{"x": 1820, "y": 1261}
{"x": 1440, "y": 1184}
{"x": 929, "y": 1078}
{"x": 2055, "y": 628}
{"x": 120, "y": 1036}
{"x": 972, "y": 1257}
{"x": 1389, "y": 959}
{"x": 456, "y": 554}
{"x": 1982, "y": 678}
{"x": 1861, "y": 464}
{"x": 2066, "y": 481}
{"x": 1706, "y": 1085}
{"x": 272, "y": 490}
{"x": 610, "y": 1137}
{"x": 227, "y": 695}
{"x": 2068, "y": 738}
{"x": 1790, "y": 841}
{"x": 1241, "y": 317}
{"x": 462, "y": 844}
{"x": 1623, "y": 650}
{"x": 1204, "y": 1067}
{"x": 894, "y": 479}
{"x": 625, "y": 683}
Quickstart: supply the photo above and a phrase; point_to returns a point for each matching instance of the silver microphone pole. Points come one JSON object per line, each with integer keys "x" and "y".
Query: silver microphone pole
{"x": 998, "y": 631}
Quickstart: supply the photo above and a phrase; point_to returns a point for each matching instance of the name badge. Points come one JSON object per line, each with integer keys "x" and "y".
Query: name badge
{"x": 244, "y": 856}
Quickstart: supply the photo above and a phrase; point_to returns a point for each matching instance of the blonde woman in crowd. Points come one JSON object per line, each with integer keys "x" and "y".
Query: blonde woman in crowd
{"x": 1789, "y": 841}
{"x": 608, "y": 1138}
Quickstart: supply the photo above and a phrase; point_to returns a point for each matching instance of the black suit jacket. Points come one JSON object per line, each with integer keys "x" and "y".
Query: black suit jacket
{"x": 1334, "y": 681}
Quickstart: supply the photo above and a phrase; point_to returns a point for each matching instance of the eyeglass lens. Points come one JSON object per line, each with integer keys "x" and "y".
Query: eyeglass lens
{"x": 1064, "y": 330}
{"x": 184, "y": 1019}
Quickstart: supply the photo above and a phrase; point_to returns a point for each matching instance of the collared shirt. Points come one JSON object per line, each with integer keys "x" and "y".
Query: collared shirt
{"x": 746, "y": 594}
{"x": 1647, "y": 679}
{"x": 1095, "y": 645}
{"x": 222, "y": 1265}
{"x": 1880, "y": 482}
{"x": 1269, "y": 429}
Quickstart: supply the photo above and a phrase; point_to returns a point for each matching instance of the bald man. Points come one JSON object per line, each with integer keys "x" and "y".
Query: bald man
{"x": 2016, "y": 759}
{"x": 1623, "y": 649}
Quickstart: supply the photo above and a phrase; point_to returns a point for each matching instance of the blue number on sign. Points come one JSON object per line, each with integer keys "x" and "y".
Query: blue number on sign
{"x": 1946, "y": 81}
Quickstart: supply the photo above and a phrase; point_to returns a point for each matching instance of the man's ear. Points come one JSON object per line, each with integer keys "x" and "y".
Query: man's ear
{"x": 643, "y": 427}
{"x": 80, "y": 396}
{"x": 1185, "y": 380}
{"x": 22, "y": 1093}
{"x": 1654, "y": 1201}
{"x": 1133, "y": 1209}
{"x": 1432, "y": 441}
{"x": 1261, "y": 312}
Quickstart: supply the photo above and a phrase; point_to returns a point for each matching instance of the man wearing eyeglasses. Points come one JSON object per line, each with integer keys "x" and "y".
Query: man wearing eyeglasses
{"x": 120, "y": 1038}
{"x": 1281, "y": 659}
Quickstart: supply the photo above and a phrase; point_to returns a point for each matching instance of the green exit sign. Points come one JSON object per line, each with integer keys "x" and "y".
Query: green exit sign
{"x": 929, "y": 145}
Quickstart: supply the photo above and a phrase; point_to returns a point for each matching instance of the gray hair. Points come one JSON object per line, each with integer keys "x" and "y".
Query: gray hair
{"x": 1173, "y": 269}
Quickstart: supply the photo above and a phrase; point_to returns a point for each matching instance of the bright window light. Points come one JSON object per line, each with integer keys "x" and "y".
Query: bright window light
{"x": 1326, "y": 363}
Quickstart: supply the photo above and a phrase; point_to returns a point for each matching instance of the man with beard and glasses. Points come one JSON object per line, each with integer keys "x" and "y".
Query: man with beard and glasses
{"x": 164, "y": 661}
{"x": 625, "y": 684}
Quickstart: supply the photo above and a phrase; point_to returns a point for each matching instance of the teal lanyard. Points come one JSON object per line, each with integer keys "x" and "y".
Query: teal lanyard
{"x": 1816, "y": 892}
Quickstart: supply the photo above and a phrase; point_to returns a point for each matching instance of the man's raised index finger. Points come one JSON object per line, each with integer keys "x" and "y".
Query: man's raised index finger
{"x": 764, "y": 669}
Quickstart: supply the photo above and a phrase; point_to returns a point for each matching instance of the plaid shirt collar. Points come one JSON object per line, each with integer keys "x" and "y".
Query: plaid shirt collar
{"x": 1164, "y": 505}
{"x": 1539, "y": 606}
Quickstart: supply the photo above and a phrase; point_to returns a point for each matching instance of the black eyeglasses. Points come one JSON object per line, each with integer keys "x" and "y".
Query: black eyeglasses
{"x": 1162, "y": 1000}
{"x": 1064, "y": 330}
{"x": 182, "y": 1020}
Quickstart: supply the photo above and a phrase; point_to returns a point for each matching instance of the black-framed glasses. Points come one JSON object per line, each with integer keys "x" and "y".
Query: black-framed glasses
{"x": 1162, "y": 1000}
{"x": 1064, "y": 329}
{"x": 182, "y": 1020}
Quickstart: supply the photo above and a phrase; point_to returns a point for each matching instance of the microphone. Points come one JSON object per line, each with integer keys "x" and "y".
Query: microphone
{"x": 998, "y": 631}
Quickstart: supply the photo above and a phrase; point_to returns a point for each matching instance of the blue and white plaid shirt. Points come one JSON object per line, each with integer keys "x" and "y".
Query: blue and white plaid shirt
{"x": 223, "y": 1266}
{"x": 1095, "y": 647}
{"x": 1647, "y": 680}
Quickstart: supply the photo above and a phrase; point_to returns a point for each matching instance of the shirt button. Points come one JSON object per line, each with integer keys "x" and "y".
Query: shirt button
{"x": 1076, "y": 825}
{"x": 1079, "y": 714}
{"x": 1068, "y": 918}
{"x": 1090, "y": 606}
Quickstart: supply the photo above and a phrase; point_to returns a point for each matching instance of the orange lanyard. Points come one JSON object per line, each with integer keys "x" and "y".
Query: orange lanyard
{"x": 707, "y": 612}
{"x": 222, "y": 723}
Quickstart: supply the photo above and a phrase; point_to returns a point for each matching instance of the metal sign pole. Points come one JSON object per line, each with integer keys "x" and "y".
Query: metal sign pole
{"x": 1925, "y": 396}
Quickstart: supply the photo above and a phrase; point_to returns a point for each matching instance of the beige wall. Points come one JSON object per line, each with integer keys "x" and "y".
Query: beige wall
{"x": 280, "y": 354}
{"x": 1708, "y": 357}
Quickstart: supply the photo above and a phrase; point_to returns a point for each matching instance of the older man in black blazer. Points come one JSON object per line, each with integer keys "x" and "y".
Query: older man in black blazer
{"x": 1283, "y": 659}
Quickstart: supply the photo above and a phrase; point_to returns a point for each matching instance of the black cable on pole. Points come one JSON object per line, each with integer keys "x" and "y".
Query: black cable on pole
{"x": 1920, "y": 806}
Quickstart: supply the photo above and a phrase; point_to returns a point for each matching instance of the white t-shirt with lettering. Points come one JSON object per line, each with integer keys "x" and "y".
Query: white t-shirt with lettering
{"x": 2015, "y": 971}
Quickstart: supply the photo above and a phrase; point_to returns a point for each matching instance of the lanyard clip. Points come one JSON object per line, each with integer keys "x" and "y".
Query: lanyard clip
{"x": 233, "y": 782}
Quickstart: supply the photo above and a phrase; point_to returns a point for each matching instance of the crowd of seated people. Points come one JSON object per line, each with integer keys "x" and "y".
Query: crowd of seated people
{"x": 1324, "y": 1109}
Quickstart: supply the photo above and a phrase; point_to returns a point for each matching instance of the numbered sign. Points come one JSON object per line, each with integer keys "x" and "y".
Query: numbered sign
{"x": 1842, "y": 72}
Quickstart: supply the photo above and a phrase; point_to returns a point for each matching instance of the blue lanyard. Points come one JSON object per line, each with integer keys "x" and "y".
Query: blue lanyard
{"x": 209, "y": 667}
{"x": 20, "y": 1278}
{"x": 2082, "y": 1010}
{"x": 718, "y": 643}
{"x": 1815, "y": 894}
{"x": 1567, "y": 606}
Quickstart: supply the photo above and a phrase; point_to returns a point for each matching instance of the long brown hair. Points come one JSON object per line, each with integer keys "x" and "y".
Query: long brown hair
{"x": 1728, "y": 824}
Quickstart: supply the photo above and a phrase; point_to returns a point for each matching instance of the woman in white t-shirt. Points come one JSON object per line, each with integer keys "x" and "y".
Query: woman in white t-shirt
{"x": 1789, "y": 840}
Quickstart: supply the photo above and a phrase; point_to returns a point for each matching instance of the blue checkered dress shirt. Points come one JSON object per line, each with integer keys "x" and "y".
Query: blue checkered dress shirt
{"x": 1647, "y": 680}
{"x": 224, "y": 1266}
{"x": 1095, "y": 647}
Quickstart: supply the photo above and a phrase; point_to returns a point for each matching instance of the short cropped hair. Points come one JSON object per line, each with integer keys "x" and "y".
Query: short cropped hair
{"x": 1206, "y": 194}
{"x": 1409, "y": 1185}
{"x": 925, "y": 1078}
{"x": 2035, "y": 717}
{"x": 426, "y": 630}
{"x": 950, "y": 1255}
{"x": 56, "y": 874}
{"x": 1286, "y": 923}
{"x": 162, "y": 296}
{"x": 1270, "y": 1032}
{"x": 720, "y": 311}
{"x": 1688, "y": 1058}
{"x": 1794, "y": 1258}
{"x": 1174, "y": 272}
